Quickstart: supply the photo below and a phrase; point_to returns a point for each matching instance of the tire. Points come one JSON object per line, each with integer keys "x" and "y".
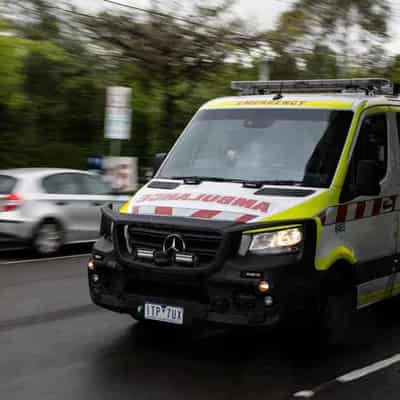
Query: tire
{"x": 336, "y": 317}
{"x": 48, "y": 238}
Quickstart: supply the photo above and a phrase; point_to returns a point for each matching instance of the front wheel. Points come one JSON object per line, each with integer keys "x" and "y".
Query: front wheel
{"x": 48, "y": 238}
{"x": 336, "y": 317}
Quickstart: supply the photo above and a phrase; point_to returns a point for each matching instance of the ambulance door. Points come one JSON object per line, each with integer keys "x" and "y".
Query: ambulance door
{"x": 368, "y": 224}
{"x": 395, "y": 289}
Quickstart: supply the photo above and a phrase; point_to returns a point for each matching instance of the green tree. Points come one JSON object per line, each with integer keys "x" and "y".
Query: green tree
{"x": 176, "y": 56}
{"x": 284, "y": 66}
{"x": 321, "y": 63}
{"x": 68, "y": 61}
{"x": 350, "y": 28}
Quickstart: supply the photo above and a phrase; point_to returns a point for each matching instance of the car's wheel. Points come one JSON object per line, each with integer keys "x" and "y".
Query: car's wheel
{"x": 48, "y": 238}
{"x": 336, "y": 316}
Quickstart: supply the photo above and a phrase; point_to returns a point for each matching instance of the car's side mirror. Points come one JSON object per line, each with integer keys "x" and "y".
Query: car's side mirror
{"x": 368, "y": 178}
{"x": 158, "y": 160}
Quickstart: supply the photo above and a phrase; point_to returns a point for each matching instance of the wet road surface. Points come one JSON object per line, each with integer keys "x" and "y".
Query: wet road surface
{"x": 56, "y": 345}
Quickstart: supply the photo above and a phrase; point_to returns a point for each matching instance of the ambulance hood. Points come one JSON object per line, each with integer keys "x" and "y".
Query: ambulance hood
{"x": 220, "y": 201}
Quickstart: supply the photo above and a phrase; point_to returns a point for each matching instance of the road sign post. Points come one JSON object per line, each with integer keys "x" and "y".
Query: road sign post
{"x": 121, "y": 171}
{"x": 118, "y": 117}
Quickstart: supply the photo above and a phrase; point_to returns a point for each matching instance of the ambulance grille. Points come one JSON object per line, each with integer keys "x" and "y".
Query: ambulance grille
{"x": 203, "y": 244}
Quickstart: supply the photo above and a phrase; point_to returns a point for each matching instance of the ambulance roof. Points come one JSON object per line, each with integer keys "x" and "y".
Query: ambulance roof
{"x": 337, "y": 94}
{"x": 336, "y": 101}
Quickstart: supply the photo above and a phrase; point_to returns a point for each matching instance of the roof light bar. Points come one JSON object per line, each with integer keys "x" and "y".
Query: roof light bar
{"x": 369, "y": 85}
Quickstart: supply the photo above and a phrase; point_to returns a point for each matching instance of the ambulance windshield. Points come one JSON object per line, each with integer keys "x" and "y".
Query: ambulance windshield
{"x": 287, "y": 146}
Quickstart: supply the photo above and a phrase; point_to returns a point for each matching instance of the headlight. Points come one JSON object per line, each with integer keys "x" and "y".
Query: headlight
{"x": 283, "y": 241}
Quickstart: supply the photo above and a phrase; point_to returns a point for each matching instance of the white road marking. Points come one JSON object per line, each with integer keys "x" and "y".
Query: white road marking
{"x": 305, "y": 394}
{"x": 360, "y": 373}
{"x": 3, "y": 250}
{"x": 351, "y": 376}
{"x": 35, "y": 260}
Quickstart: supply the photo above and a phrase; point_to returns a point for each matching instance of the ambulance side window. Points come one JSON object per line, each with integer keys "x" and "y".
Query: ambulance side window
{"x": 371, "y": 145}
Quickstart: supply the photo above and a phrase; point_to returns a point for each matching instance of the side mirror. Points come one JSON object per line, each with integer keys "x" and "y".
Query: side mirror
{"x": 368, "y": 178}
{"x": 158, "y": 160}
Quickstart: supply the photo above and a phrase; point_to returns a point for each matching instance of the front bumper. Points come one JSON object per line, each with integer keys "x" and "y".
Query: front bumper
{"x": 218, "y": 303}
{"x": 193, "y": 312}
{"x": 225, "y": 292}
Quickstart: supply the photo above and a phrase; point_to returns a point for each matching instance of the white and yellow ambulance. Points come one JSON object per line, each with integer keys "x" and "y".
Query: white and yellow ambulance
{"x": 283, "y": 202}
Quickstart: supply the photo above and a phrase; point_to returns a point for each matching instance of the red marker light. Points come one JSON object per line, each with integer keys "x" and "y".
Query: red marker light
{"x": 11, "y": 202}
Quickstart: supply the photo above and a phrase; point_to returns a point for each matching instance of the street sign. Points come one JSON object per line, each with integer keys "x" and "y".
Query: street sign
{"x": 118, "y": 113}
{"x": 119, "y": 97}
{"x": 118, "y": 123}
{"x": 121, "y": 173}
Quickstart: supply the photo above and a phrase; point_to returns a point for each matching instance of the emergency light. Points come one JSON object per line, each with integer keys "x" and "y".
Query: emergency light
{"x": 370, "y": 86}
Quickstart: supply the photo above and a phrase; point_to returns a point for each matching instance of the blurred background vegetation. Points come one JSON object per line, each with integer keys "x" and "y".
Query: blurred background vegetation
{"x": 56, "y": 61}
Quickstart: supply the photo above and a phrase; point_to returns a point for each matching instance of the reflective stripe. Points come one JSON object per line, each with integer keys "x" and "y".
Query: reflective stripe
{"x": 377, "y": 207}
{"x": 193, "y": 213}
{"x": 308, "y": 209}
{"x": 246, "y": 218}
{"x": 336, "y": 105}
{"x": 341, "y": 214}
{"x": 205, "y": 214}
{"x": 164, "y": 211}
{"x": 352, "y": 211}
{"x": 359, "y": 210}
{"x": 322, "y": 218}
{"x": 396, "y": 285}
{"x": 373, "y": 291}
{"x": 369, "y": 208}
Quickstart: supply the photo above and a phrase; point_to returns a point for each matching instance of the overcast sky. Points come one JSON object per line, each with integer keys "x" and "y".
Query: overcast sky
{"x": 251, "y": 10}
{"x": 261, "y": 14}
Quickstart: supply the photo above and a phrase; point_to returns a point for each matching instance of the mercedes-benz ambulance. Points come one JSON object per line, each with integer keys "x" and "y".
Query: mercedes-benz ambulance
{"x": 280, "y": 203}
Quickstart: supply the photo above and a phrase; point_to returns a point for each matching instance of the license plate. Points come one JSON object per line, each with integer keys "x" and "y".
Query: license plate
{"x": 158, "y": 312}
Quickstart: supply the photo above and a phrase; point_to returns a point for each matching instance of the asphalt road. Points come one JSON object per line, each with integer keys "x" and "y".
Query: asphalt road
{"x": 54, "y": 344}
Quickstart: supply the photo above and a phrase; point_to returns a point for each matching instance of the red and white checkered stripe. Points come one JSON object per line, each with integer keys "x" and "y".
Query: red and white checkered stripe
{"x": 359, "y": 210}
{"x": 191, "y": 213}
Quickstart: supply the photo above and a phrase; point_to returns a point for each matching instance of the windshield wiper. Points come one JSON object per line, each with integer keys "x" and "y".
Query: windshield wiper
{"x": 196, "y": 180}
{"x": 259, "y": 184}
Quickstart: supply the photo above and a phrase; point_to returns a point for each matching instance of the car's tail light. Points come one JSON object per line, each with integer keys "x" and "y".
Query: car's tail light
{"x": 10, "y": 202}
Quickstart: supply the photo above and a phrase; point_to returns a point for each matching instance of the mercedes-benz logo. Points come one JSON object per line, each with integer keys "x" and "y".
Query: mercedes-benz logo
{"x": 174, "y": 244}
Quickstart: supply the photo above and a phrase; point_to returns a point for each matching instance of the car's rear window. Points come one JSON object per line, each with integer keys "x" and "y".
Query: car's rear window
{"x": 7, "y": 184}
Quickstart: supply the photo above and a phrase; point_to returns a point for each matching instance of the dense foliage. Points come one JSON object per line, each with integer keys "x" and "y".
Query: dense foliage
{"x": 55, "y": 65}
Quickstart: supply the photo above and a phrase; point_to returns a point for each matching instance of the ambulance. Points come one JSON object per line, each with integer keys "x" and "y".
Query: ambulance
{"x": 279, "y": 204}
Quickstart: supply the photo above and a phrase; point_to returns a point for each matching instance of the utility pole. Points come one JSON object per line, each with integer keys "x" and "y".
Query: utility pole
{"x": 118, "y": 117}
{"x": 264, "y": 69}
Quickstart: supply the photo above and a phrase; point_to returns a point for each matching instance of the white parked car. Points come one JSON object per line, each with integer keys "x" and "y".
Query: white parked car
{"x": 47, "y": 208}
